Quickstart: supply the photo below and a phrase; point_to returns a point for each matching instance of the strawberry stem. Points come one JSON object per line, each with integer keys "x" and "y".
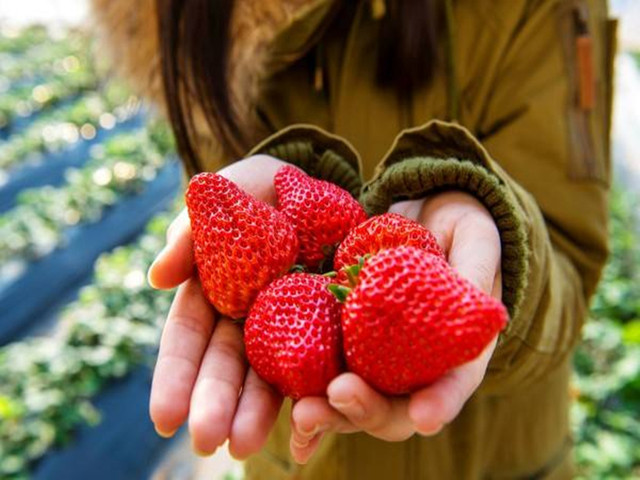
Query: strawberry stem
{"x": 339, "y": 291}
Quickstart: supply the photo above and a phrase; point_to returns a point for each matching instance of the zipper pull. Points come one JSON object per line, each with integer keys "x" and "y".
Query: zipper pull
{"x": 378, "y": 9}
{"x": 584, "y": 59}
{"x": 318, "y": 79}
{"x": 318, "y": 71}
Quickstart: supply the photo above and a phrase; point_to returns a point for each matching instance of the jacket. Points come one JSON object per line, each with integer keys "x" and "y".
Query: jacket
{"x": 518, "y": 116}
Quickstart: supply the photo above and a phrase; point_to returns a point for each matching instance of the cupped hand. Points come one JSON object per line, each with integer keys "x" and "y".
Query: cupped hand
{"x": 201, "y": 374}
{"x": 468, "y": 235}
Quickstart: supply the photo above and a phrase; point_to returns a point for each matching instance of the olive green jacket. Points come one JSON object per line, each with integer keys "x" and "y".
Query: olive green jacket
{"x": 517, "y": 115}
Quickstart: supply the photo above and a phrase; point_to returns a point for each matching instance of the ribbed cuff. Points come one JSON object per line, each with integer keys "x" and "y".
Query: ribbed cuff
{"x": 317, "y": 152}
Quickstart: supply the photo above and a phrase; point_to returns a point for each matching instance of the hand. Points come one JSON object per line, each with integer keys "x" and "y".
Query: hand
{"x": 201, "y": 372}
{"x": 468, "y": 235}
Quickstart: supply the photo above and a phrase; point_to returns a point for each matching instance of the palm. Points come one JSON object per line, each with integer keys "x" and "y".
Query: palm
{"x": 468, "y": 236}
{"x": 202, "y": 375}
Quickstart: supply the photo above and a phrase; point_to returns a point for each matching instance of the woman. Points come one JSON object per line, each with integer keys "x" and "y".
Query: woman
{"x": 486, "y": 121}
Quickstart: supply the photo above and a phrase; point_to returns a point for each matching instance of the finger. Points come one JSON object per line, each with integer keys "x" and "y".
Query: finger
{"x": 311, "y": 417}
{"x": 408, "y": 208}
{"x": 257, "y": 412}
{"x": 242, "y": 173}
{"x": 475, "y": 251}
{"x": 174, "y": 264}
{"x": 184, "y": 340}
{"x": 381, "y": 417}
{"x": 437, "y": 405}
{"x": 215, "y": 395}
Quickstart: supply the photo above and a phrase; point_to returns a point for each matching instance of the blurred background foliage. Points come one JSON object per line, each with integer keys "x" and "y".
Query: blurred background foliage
{"x": 606, "y": 413}
{"x": 54, "y": 101}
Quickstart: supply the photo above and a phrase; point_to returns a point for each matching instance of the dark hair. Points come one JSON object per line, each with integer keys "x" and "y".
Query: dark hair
{"x": 194, "y": 48}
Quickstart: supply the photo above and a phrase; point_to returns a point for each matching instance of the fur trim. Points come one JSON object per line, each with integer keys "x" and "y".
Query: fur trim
{"x": 128, "y": 30}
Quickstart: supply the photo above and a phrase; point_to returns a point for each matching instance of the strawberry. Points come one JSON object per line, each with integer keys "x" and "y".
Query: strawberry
{"x": 380, "y": 232}
{"x": 321, "y": 212}
{"x": 292, "y": 335}
{"x": 240, "y": 244}
{"x": 411, "y": 318}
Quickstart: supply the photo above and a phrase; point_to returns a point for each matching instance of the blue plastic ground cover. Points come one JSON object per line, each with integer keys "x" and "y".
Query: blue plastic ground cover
{"x": 23, "y": 301}
{"x": 123, "y": 446}
{"x": 50, "y": 168}
{"x": 19, "y": 123}
{"x": 48, "y": 318}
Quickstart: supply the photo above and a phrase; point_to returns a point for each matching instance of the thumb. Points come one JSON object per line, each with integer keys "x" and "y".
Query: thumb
{"x": 174, "y": 264}
{"x": 475, "y": 253}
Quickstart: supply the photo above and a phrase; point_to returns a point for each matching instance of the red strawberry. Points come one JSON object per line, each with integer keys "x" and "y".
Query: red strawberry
{"x": 411, "y": 318}
{"x": 321, "y": 212}
{"x": 380, "y": 232}
{"x": 292, "y": 335}
{"x": 240, "y": 244}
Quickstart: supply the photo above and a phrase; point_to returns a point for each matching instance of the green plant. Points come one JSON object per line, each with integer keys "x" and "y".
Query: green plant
{"x": 607, "y": 363}
{"x": 52, "y": 58}
{"x": 605, "y": 415}
{"x": 17, "y": 40}
{"x": 618, "y": 296}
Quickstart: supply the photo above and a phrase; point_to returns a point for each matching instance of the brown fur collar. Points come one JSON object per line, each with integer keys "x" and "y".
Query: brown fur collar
{"x": 128, "y": 30}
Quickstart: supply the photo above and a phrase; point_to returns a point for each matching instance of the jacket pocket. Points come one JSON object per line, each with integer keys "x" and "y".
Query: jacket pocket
{"x": 588, "y": 53}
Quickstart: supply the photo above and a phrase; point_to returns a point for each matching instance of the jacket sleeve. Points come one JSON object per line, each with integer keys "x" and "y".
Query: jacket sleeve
{"x": 546, "y": 192}
{"x": 317, "y": 152}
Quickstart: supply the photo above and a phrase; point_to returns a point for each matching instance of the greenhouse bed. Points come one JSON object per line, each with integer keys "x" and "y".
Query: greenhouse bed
{"x": 50, "y": 167}
{"x": 124, "y": 445}
{"x": 23, "y": 300}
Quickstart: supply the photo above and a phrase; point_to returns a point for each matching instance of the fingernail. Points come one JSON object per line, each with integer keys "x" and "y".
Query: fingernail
{"x": 352, "y": 408}
{"x": 153, "y": 266}
{"x": 149, "y": 279}
{"x": 309, "y": 433}
{"x": 300, "y": 443}
{"x": 201, "y": 453}
{"x": 316, "y": 429}
{"x": 164, "y": 434}
{"x": 430, "y": 431}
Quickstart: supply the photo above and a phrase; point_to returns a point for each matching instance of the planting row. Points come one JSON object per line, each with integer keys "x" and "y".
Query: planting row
{"x": 63, "y": 127}
{"x": 35, "y": 227}
{"x": 24, "y": 101}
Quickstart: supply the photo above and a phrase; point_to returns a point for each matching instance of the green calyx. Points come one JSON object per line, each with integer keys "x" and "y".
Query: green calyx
{"x": 353, "y": 271}
{"x": 339, "y": 291}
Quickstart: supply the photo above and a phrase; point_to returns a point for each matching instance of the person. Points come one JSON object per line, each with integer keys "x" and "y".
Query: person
{"x": 485, "y": 121}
